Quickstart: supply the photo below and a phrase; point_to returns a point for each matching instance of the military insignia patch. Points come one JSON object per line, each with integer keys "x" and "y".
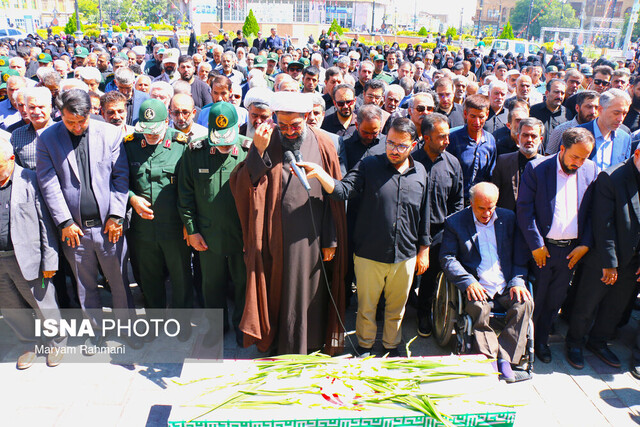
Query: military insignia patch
{"x": 128, "y": 138}
{"x": 149, "y": 114}
{"x": 41, "y": 56}
{"x": 222, "y": 121}
{"x": 181, "y": 137}
{"x": 6, "y": 76}
{"x": 2, "y": 62}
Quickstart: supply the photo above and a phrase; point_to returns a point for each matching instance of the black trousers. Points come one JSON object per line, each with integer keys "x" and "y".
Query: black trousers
{"x": 552, "y": 283}
{"x": 599, "y": 307}
{"x": 427, "y": 282}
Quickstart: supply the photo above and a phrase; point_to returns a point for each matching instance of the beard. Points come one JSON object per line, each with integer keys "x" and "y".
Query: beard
{"x": 565, "y": 168}
{"x": 293, "y": 144}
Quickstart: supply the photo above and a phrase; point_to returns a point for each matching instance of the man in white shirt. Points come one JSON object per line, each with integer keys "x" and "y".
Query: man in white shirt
{"x": 553, "y": 210}
{"x": 479, "y": 256}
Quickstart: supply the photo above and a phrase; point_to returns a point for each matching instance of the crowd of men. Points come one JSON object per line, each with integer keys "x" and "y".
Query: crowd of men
{"x": 298, "y": 180}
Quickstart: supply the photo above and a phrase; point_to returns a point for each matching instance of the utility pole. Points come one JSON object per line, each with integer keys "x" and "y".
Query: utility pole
{"x": 373, "y": 18}
{"x": 100, "y": 14}
{"x": 78, "y": 30}
{"x": 526, "y": 36}
{"x": 461, "y": 17}
{"x": 220, "y": 11}
{"x": 632, "y": 20}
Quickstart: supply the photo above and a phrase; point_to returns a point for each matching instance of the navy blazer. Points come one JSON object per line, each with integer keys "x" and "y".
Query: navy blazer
{"x": 537, "y": 200}
{"x": 460, "y": 250}
{"x": 621, "y": 148}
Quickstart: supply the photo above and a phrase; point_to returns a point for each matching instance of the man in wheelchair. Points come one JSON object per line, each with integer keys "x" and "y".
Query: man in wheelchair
{"x": 478, "y": 256}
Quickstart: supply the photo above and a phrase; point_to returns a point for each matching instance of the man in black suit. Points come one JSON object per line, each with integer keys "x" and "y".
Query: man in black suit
{"x": 507, "y": 137}
{"x": 259, "y": 42}
{"x": 509, "y": 166}
{"x": 611, "y": 269}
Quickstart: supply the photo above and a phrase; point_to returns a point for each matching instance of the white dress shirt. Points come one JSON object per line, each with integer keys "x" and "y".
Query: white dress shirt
{"x": 489, "y": 271}
{"x": 565, "y": 213}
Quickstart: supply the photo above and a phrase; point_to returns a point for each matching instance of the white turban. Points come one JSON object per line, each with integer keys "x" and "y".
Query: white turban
{"x": 292, "y": 102}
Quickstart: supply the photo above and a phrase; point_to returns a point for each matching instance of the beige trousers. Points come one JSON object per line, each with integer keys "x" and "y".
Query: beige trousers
{"x": 373, "y": 279}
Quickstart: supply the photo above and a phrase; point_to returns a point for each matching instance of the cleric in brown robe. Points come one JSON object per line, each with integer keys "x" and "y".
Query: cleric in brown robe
{"x": 288, "y": 306}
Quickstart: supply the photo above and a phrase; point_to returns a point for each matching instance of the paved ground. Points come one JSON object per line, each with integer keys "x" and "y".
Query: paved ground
{"x": 115, "y": 395}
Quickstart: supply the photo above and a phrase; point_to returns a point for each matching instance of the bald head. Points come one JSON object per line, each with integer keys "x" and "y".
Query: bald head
{"x": 483, "y": 197}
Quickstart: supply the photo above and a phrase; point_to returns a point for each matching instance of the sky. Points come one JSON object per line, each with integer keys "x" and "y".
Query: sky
{"x": 450, "y": 7}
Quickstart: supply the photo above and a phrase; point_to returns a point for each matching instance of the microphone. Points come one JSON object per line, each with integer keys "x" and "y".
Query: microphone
{"x": 302, "y": 176}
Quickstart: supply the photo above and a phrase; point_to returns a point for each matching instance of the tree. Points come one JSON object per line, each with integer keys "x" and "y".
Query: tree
{"x": 507, "y": 32}
{"x": 423, "y": 31}
{"x": 549, "y": 14}
{"x": 451, "y": 32}
{"x": 88, "y": 11}
{"x": 71, "y": 27}
{"x": 250, "y": 27}
{"x": 335, "y": 27}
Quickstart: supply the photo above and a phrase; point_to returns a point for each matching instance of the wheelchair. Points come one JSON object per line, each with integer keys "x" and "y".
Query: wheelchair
{"x": 449, "y": 319}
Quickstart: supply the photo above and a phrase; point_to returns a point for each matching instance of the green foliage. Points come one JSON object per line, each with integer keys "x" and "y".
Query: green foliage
{"x": 71, "y": 26}
{"x": 161, "y": 27}
{"x": 336, "y": 27}
{"x": 507, "y": 32}
{"x": 88, "y": 10}
{"x": 92, "y": 33}
{"x": 635, "y": 31}
{"x": 423, "y": 31}
{"x": 124, "y": 26}
{"x": 553, "y": 15}
{"x": 116, "y": 29}
{"x": 548, "y": 46}
{"x": 451, "y": 31}
{"x": 250, "y": 27}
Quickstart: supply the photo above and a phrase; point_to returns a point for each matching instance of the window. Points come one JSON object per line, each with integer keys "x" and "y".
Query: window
{"x": 520, "y": 48}
{"x": 500, "y": 45}
{"x": 533, "y": 49}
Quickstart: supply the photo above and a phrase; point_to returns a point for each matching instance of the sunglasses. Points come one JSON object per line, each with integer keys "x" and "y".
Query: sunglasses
{"x": 601, "y": 82}
{"x": 422, "y": 108}
{"x": 343, "y": 103}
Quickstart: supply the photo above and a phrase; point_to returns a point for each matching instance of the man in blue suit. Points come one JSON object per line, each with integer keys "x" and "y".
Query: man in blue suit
{"x": 83, "y": 174}
{"x": 553, "y": 214}
{"x": 478, "y": 256}
{"x": 612, "y": 144}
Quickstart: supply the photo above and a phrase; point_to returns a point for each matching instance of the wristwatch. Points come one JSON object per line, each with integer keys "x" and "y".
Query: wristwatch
{"x": 117, "y": 220}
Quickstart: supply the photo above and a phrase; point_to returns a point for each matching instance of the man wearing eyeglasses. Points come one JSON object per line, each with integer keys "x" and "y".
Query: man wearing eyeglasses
{"x": 342, "y": 121}
{"x": 183, "y": 112}
{"x": 601, "y": 82}
{"x": 420, "y": 106}
{"x": 393, "y": 193}
{"x": 285, "y": 272}
{"x": 474, "y": 147}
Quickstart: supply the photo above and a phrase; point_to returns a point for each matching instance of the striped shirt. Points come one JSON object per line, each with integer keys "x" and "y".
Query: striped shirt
{"x": 23, "y": 140}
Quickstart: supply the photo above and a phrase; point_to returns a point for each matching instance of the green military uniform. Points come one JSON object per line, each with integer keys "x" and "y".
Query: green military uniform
{"x": 207, "y": 207}
{"x": 157, "y": 245}
{"x": 383, "y": 75}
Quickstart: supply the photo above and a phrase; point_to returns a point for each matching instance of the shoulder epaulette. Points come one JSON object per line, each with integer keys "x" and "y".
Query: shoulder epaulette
{"x": 180, "y": 137}
{"x": 129, "y": 138}
{"x": 197, "y": 143}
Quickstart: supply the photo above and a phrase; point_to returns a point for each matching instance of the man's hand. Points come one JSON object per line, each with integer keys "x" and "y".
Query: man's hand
{"x": 576, "y": 254}
{"x": 328, "y": 254}
{"x": 185, "y": 235}
{"x": 113, "y": 229}
{"x": 540, "y": 255}
{"x": 263, "y": 135}
{"x": 314, "y": 170}
{"x": 609, "y": 276}
{"x": 196, "y": 241}
{"x": 48, "y": 274}
{"x": 422, "y": 260}
{"x": 475, "y": 292}
{"x": 71, "y": 235}
{"x": 141, "y": 206}
{"x": 520, "y": 293}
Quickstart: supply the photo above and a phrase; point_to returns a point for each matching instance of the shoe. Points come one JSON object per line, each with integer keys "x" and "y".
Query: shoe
{"x": 185, "y": 332}
{"x": 135, "y": 342}
{"x": 392, "y": 352}
{"x": 362, "y": 351}
{"x": 635, "y": 369}
{"x": 210, "y": 339}
{"x": 506, "y": 373}
{"x": 424, "y": 326}
{"x": 90, "y": 343}
{"x": 25, "y": 360}
{"x": 575, "y": 357}
{"x": 543, "y": 353}
{"x": 54, "y": 357}
{"x": 605, "y": 355}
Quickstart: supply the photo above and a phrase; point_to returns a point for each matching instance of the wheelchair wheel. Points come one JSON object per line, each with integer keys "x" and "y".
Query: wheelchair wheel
{"x": 443, "y": 311}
